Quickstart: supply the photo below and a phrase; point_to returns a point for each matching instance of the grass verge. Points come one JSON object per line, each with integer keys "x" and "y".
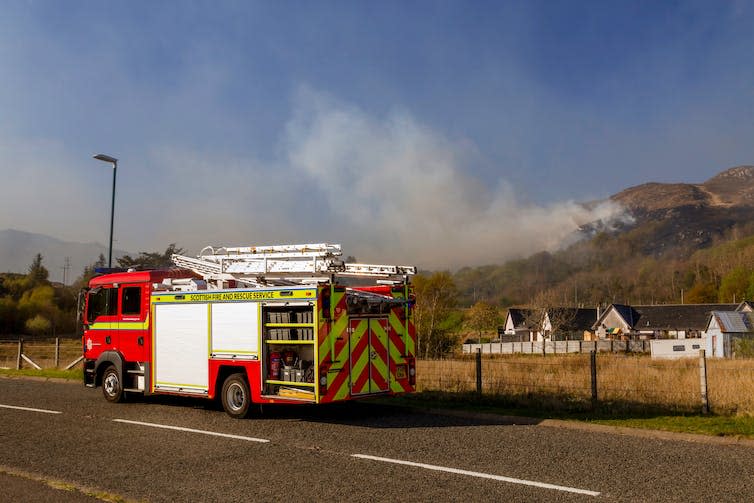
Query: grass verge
{"x": 74, "y": 374}
{"x": 718, "y": 426}
{"x": 739, "y": 426}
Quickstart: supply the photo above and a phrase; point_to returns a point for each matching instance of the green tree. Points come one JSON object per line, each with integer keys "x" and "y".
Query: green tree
{"x": 482, "y": 317}
{"x": 750, "y": 287}
{"x": 37, "y": 274}
{"x": 701, "y": 293}
{"x": 88, "y": 273}
{"x": 734, "y": 285}
{"x": 38, "y": 301}
{"x": 15, "y": 284}
{"x": 151, "y": 260}
{"x": 7, "y": 314}
{"x": 436, "y": 296}
{"x": 38, "y": 325}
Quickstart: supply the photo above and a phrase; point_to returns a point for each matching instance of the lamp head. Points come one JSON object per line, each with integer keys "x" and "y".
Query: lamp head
{"x": 106, "y": 158}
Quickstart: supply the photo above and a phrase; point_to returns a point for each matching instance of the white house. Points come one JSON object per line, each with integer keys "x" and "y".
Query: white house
{"x": 522, "y": 325}
{"x": 730, "y": 333}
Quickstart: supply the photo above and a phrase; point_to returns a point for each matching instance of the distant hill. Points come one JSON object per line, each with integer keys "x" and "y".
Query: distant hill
{"x": 679, "y": 218}
{"x": 18, "y": 248}
{"x": 672, "y": 240}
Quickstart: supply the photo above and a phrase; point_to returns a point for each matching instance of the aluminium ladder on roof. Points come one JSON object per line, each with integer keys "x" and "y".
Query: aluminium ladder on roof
{"x": 293, "y": 262}
{"x": 301, "y": 250}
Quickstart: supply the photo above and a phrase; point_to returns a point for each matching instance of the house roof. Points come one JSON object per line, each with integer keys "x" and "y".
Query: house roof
{"x": 734, "y": 321}
{"x": 572, "y": 318}
{"x": 627, "y": 313}
{"x": 523, "y": 318}
{"x": 669, "y": 316}
{"x": 746, "y": 305}
{"x": 677, "y": 317}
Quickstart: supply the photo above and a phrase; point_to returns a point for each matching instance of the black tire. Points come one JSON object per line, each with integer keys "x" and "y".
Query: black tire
{"x": 112, "y": 385}
{"x": 235, "y": 396}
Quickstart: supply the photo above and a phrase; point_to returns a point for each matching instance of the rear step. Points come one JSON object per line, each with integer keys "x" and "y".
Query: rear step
{"x": 89, "y": 377}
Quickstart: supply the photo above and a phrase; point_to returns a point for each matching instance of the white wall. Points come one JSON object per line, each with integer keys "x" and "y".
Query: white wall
{"x": 676, "y": 348}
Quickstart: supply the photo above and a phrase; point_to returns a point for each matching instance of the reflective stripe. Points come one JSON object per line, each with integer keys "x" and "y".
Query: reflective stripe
{"x": 359, "y": 356}
{"x": 120, "y": 325}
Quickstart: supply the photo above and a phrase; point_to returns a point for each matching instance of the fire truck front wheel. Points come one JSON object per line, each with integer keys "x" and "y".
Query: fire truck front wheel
{"x": 235, "y": 396}
{"x": 112, "y": 387}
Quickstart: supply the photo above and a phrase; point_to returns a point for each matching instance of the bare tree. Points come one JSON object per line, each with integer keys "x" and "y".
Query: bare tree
{"x": 436, "y": 296}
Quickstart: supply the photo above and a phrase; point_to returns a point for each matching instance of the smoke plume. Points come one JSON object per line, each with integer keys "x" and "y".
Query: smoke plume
{"x": 398, "y": 191}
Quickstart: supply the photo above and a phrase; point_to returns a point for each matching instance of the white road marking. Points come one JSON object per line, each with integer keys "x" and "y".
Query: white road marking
{"x": 30, "y": 409}
{"x": 480, "y": 475}
{"x": 191, "y": 430}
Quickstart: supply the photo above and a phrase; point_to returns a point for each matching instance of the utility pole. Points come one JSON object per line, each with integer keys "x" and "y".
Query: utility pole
{"x": 66, "y": 267}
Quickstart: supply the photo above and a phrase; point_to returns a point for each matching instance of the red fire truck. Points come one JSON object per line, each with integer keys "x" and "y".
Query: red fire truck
{"x": 265, "y": 324}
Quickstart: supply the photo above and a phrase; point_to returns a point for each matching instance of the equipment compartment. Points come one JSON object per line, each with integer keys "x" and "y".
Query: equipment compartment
{"x": 288, "y": 349}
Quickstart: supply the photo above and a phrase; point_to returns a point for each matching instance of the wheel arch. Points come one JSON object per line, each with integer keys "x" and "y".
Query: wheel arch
{"x": 104, "y": 360}
{"x": 225, "y": 371}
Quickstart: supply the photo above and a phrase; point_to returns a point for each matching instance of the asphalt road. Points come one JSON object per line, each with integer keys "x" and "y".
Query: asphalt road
{"x": 79, "y": 447}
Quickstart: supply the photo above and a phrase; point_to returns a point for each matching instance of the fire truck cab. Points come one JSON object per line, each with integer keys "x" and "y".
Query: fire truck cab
{"x": 276, "y": 324}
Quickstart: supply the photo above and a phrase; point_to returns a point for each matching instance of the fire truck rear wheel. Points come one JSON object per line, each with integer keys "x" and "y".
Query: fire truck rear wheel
{"x": 112, "y": 388}
{"x": 235, "y": 396}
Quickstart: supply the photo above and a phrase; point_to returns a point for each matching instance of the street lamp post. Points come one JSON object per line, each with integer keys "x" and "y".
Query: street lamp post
{"x": 114, "y": 162}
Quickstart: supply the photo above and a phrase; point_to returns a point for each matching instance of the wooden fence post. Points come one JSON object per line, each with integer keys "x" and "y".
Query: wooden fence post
{"x": 479, "y": 371}
{"x": 57, "y": 352}
{"x": 20, "y": 352}
{"x": 703, "y": 381}
{"x": 593, "y": 367}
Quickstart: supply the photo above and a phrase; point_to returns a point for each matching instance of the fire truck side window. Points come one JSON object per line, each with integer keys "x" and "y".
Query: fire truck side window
{"x": 102, "y": 302}
{"x": 131, "y": 303}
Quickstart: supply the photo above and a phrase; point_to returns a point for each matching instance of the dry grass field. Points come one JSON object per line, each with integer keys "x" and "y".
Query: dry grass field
{"x": 623, "y": 382}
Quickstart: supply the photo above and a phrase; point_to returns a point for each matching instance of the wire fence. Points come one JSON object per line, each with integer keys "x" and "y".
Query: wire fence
{"x": 617, "y": 382}
{"x": 40, "y": 353}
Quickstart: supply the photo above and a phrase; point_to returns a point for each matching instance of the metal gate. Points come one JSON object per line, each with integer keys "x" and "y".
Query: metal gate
{"x": 369, "y": 352}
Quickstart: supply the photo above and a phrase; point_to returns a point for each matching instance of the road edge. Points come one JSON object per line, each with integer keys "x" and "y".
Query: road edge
{"x": 586, "y": 426}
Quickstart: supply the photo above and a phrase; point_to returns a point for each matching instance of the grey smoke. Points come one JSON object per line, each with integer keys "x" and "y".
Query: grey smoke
{"x": 400, "y": 192}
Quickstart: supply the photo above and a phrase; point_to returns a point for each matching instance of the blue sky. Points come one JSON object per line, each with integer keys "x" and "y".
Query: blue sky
{"x": 436, "y": 133}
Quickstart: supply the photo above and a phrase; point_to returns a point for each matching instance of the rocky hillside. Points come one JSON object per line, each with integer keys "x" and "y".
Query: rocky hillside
{"x": 673, "y": 240}
{"x": 678, "y": 218}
